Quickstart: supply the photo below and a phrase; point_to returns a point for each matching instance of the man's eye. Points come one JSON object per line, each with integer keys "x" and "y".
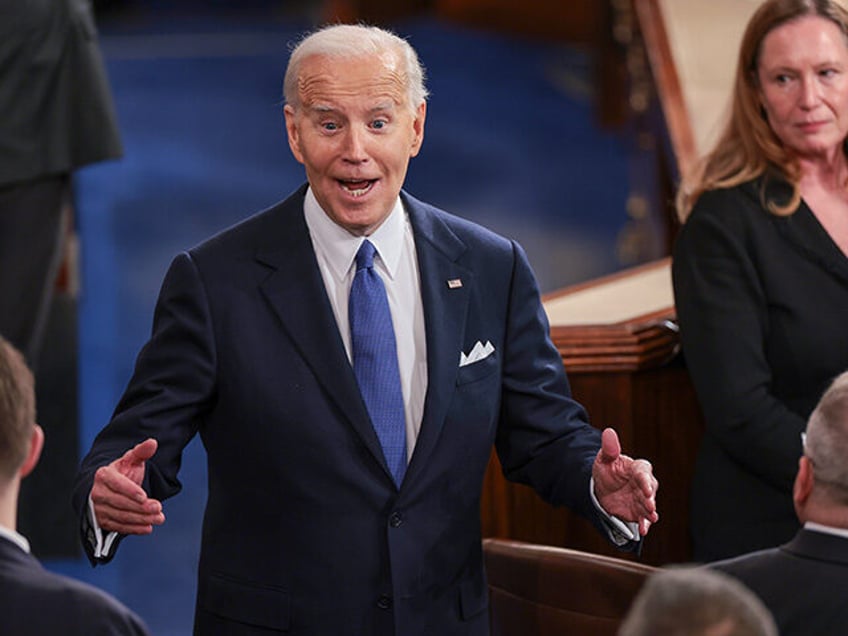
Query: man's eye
{"x": 379, "y": 123}
{"x": 330, "y": 125}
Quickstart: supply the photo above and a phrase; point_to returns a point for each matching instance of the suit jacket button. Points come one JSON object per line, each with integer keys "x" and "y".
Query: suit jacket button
{"x": 395, "y": 520}
{"x": 384, "y": 602}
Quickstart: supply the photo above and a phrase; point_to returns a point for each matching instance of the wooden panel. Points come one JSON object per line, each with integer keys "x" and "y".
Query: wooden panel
{"x": 656, "y": 415}
{"x": 624, "y": 321}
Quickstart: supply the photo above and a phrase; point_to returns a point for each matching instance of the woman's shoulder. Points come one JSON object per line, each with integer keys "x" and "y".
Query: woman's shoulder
{"x": 731, "y": 202}
{"x": 743, "y": 204}
{"x": 732, "y": 215}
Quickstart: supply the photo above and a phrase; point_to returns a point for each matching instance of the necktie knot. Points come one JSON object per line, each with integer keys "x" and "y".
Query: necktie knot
{"x": 365, "y": 255}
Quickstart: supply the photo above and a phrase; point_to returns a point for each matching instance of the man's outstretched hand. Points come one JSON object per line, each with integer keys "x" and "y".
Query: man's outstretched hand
{"x": 625, "y": 487}
{"x": 120, "y": 503}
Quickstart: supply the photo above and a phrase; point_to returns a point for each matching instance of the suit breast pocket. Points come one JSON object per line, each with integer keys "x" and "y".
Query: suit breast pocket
{"x": 477, "y": 370}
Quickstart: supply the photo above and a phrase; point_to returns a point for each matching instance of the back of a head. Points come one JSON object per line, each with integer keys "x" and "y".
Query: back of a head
{"x": 17, "y": 410}
{"x": 826, "y": 442}
{"x": 353, "y": 41}
{"x": 695, "y": 601}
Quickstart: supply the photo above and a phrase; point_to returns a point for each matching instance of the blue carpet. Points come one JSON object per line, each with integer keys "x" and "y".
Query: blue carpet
{"x": 510, "y": 142}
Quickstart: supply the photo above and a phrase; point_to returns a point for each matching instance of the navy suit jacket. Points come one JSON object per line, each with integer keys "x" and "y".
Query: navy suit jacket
{"x": 305, "y": 532}
{"x": 801, "y": 582}
{"x": 35, "y": 602}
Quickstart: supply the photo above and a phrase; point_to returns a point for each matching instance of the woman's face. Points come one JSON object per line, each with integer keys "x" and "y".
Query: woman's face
{"x": 803, "y": 78}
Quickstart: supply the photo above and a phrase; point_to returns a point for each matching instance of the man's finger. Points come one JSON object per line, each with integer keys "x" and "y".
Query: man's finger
{"x": 105, "y": 498}
{"x": 111, "y": 479}
{"x": 645, "y": 477}
{"x": 142, "y": 451}
{"x": 114, "y": 517}
{"x": 124, "y": 528}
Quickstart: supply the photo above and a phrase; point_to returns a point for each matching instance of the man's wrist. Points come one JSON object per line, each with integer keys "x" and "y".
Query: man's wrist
{"x": 620, "y": 532}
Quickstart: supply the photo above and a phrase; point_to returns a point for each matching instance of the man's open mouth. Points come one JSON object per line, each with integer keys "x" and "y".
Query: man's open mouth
{"x": 359, "y": 187}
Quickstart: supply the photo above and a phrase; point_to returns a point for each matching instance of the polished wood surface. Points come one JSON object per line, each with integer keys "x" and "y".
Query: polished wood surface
{"x": 621, "y": 322}
{"x": 542, "y": 590}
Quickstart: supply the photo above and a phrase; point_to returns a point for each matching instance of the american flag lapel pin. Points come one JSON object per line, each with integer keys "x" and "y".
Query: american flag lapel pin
{"x": 454, "y": 283}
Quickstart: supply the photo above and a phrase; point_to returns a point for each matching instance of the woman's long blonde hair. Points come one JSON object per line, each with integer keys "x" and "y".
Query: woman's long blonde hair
{"x": 748, "y": 147}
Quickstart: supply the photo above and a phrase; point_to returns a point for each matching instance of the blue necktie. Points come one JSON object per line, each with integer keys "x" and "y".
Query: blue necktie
{"x": 375, "y": 359}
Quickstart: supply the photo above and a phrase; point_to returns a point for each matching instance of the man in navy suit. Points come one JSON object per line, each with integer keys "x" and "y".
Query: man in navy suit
{"x": 803, "y": 581}
{"x": 310, "y": 526}
{"x": 33, "y": 601}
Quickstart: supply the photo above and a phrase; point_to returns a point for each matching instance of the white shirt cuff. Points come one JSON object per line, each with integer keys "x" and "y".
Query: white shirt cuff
{"x": 101, "y": 546}
{"x": 620, "y": 532}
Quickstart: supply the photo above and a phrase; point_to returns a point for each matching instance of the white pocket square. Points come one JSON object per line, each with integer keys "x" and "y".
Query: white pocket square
{"x": 478, "y": 352}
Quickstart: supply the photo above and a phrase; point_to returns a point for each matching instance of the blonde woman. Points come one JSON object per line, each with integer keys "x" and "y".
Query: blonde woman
{"x": 761, "y": 272}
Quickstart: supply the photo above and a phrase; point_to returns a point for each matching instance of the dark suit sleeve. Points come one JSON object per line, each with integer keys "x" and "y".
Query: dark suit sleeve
{"x": 723, "y": 313}
{"x": 544, "y": 438}
{"x": 169, "y": 392}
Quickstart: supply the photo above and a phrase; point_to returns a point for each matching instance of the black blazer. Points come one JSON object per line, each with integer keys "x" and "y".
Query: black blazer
{"x": 803, "y": 583}
{"x": 762, "y": 302}
{"x": 56, "y": 110}
{"x": 305, "y": 531}
{"x": 35, "y": 602}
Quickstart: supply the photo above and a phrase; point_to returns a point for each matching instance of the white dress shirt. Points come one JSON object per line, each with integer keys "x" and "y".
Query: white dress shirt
{"x": 397, "y": 265}
{"x": 818, "y": 527}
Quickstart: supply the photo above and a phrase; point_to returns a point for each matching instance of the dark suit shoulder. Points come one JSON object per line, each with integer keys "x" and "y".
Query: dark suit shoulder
{"x": 464, "y": 229}
{"x": 262, "y": 230}
{"x": 748, "y": 565}
{"x": 464, "y": 241}
{"x": 801, "y": 582}
{"x": 75, "y": 608}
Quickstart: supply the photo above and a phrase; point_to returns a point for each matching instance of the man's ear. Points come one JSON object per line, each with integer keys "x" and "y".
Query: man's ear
{"x": 292, "y": 132}
{"x": 36, "y": 443}
{"x": 803, "y": 483}
{"x": 418, "y": 129}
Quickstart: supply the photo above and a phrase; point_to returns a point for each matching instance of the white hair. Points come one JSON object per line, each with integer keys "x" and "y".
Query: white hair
{"x": 351, "y": 41}
{"x": 827, "y": 439}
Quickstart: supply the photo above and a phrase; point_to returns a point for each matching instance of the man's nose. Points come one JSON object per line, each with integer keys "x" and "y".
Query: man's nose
{"x": 355, "y": 145}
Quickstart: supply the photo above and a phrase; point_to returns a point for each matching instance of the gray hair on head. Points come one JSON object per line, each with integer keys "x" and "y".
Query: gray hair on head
{"x": 696, "y": 601}
{"x": 351, "y": 41}
{"x": 827, "y": 439}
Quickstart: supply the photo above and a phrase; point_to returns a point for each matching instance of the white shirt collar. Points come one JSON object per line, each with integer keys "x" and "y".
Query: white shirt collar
{"x": 14, "y": 537}
{"x": 818, "y": 527}
{"x": 340, "y": 246}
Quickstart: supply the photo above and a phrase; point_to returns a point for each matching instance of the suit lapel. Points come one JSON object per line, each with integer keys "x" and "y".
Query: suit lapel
{"x": 296, "y": 293}
{"x": 445, "y": 309}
